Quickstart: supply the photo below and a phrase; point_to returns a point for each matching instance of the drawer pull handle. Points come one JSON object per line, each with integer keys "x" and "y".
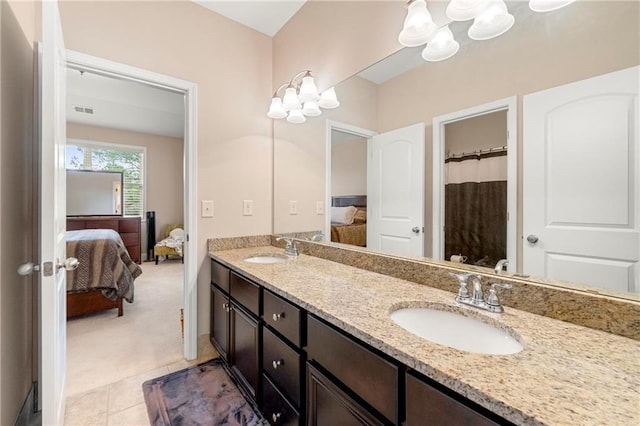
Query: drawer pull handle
{"x": 275, "y": 417}
{"x": 277, "y": 317}
{"x": 277, "y": 363}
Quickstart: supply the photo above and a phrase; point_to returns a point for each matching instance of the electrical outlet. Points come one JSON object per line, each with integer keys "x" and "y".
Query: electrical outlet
{"x": 293, "y": 207}
{"x": 207, "y": 208}
{"x": 247, "y": 207}
{"x": 319, "y": 207}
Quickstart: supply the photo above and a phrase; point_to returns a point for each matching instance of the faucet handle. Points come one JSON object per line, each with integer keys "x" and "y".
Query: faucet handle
{"x": 493, "y": 299}
{"x": 463, "y": 293}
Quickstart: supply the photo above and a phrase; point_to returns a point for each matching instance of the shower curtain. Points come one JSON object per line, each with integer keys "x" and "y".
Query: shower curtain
{"x": 476, "y": 207}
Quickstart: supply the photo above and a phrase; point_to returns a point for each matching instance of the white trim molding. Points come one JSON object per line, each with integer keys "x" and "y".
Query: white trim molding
{"x": 106, "y": 67}
{"x": 511, "y": 106}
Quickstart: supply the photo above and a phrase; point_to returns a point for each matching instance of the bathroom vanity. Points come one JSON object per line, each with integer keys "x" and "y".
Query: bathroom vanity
{"x": 314, "y": 341}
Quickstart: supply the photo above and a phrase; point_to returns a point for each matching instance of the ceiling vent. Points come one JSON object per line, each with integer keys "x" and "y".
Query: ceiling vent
{"x": 83, "y": 110}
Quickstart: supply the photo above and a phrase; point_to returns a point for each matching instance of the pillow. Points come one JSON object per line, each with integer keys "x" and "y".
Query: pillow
{"x": 361, "y": 215}
{"x": 343, "y": 215}
{"x": 177, "y": 234}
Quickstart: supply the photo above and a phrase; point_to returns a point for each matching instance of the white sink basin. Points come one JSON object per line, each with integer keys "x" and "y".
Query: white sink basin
{"x": 265, "y": 259}
{"x": 456, "y": 331}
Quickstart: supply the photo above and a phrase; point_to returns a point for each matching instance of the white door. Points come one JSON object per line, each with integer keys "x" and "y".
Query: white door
{"x": 52, "y": 217}
{"x": 395, "y": 191}
{"x": 581, "y": 180}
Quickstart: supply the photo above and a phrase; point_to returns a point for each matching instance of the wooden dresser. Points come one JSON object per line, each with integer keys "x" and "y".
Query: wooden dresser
{"x": 127, "y": 227}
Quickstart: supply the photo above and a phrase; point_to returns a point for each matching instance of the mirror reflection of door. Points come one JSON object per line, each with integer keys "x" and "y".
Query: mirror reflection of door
{"x": 348, "y": 188}
{"x": 475, "y": 191}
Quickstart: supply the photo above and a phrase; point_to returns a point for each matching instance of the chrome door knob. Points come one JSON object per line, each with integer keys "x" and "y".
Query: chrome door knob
{"x": 532, "y": 238}
{"x": 415, "y": 230}
{"x": 70, "y": 264}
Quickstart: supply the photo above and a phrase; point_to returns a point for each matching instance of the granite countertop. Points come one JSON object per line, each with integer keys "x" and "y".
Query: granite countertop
{"x": 566, "y": 374}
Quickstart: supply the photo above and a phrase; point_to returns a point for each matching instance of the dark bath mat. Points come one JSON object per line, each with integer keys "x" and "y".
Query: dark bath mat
{"x": 205, "y": 394}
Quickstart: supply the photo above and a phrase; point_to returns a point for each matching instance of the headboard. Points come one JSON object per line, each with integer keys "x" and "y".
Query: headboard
{"x": 349, "y": 200}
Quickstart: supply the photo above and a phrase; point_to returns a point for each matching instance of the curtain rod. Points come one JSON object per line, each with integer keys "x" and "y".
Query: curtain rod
{"x": 477, "y": 152}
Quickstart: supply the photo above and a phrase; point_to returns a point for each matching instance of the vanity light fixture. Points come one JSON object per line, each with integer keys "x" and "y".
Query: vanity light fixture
{"x": 301, "y": 99}
{"x": 441, "y": 47}
{"x": 494, "y": 21}
{"x": 491, "y": 18}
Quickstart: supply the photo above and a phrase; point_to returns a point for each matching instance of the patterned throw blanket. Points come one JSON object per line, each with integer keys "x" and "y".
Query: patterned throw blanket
{"x": 105, "y": 264}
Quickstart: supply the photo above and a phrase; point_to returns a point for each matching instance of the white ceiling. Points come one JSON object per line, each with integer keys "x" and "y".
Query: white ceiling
{"x": 266, "y": 16}
{"x": 125, "y": 105}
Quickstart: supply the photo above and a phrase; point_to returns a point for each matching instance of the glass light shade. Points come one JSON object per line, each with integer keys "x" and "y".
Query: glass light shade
{"x": 308, "y": 90}
{"x": 463, "y": 10}
{"x": 296, "y": 116}
{"x": 548, "y": 5}
{"x": 290, "y": 100}
{"x": 418, "y": 25}
{"x": 310, "y": 108}
{"x": 443, "y": 46}
{"x": 493, "y": 22}
{"x": 276, "y": 110}
{"x": 328, "y": 99}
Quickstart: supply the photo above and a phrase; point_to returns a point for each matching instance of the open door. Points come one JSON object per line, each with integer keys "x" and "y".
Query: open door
{"x": 395, "y": 191}
{"x": 581, "y": 177}
{"x": 52, "y": 217}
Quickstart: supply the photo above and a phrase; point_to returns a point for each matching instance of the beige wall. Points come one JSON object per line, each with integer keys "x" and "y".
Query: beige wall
{"x": 336, "y": 39}
{"x": 17, "y": 33}
{"x": 232, "y": 66}
{"x": 349, "y": 167}
{"x": 164, "y": 177}
{"x": 300, "y": 151}
{"x": 475, "y": 133}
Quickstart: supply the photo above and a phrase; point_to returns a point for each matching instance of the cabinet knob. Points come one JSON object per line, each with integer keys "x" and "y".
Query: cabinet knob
{"x": 277, "y": 363}
{"x": 275, "y": 417}
{"x": 277, "y": 317}
{"x": 226, "y": 307}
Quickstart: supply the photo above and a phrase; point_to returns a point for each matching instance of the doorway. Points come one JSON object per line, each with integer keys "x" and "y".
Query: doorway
{"x": 493, "y": 152}
{"x": 105, "y": 67}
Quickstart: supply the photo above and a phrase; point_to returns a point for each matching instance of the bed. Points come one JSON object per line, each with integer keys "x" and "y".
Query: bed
{"x": 353, "y": 232}
{"x": 105, "y": 273}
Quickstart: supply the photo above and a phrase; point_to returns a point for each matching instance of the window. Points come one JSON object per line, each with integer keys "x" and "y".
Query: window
{"x": 126, "y": 159}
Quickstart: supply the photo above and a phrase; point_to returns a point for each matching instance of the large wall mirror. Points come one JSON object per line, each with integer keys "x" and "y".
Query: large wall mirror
{"x": 541, "y": 51}
{"x": 94, "y": 193}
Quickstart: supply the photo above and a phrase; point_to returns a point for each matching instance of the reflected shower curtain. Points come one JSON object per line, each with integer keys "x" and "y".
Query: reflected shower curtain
{"x": 476, "y": 207}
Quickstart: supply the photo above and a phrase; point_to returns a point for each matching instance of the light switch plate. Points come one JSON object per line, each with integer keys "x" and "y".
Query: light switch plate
{"x": 247, "y": 208}
{"x": 319, "y": 207}
{"x": 293, "y": 207}
{"x": 207, "y": 208}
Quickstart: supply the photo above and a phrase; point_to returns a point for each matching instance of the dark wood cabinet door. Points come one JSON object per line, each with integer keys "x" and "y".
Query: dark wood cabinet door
{"x": 428, "y": 405}
{"x": 220, "y": 321}
{"x": 327, "y": 404}
{"x": 244, "y": 345}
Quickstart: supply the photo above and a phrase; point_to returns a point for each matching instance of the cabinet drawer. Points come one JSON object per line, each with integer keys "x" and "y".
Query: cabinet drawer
{"x": 426, "y": 402}
{"x": 130, "y": 238}
{"x": 275, "y": 407}
{"x": 246, "y": 293}
{"x": 367, "y": 374}
{"x": 220, "y": 275}
{"x": 283, "y": 317}
{"x": 282, "y": 363}
{"x": 130, "y": 225}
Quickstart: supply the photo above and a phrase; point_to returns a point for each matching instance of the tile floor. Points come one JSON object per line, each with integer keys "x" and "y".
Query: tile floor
{"x": 122, "y": 402}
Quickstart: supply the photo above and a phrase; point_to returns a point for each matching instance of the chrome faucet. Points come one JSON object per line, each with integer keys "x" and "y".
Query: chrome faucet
{"x": 501, "y": 265}
{"x": 492, "y": 302}
{"x": 317, "y": 237}
{"x": 290, "y": 248}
